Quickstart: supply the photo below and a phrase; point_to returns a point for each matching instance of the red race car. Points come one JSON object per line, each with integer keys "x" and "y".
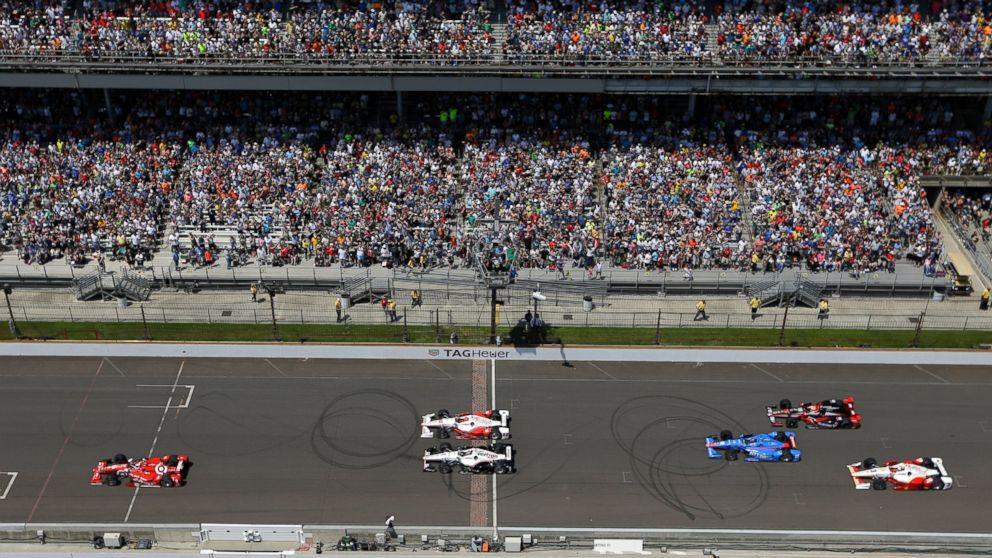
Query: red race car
{"x": 167, "y": 471}
{"x": 832, "y": 413}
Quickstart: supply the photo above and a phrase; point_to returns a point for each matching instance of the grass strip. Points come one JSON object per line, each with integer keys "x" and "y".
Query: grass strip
{"x": 396, "y": 333}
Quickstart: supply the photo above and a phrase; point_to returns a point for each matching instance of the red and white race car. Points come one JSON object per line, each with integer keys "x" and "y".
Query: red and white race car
{"x": 923, "y": 473}
{"x": 167, "y": 471}
{"x": 831, "y": 413}
{"x": 492, "y": 425}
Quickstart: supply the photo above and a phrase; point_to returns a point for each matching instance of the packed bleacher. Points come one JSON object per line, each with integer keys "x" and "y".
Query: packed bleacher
{"x": 549, "y": 31}
{"x": 758, "y": 184}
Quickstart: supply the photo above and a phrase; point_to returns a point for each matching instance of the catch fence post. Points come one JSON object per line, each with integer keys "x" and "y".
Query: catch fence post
{"x": 657, "y": 329}
{"x": 144, "y": 322}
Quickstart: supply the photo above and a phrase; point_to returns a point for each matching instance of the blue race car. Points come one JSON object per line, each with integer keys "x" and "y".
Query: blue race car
{"x": 773, "y": 446}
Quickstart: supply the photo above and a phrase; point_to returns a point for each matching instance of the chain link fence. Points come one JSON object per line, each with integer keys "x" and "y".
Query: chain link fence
{"x": 303, "y": 316}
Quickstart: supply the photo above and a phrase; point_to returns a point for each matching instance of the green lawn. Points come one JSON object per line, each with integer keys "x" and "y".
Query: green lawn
{"x": 381, "y": 333}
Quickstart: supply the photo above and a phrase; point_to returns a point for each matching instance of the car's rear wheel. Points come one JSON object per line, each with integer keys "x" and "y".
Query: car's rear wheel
{"x": 785, "y": 404}
{"x": 869, "y": 463}
{"x": 791, "y": 423}
{"x": 786, "y": 456}
{"x": 938, "y": 484}
{"x": 928, "y": 463}
{"x": 730, "y": 455}
{"x": 495, "y": 435}
{"x": 444, "y": 447}
{"x": 166, "y": 482}
{"x": 443, "y": 433}
{"x": 879, "y": 484}
{"x": 502, "y": 469}
{"x": 444, "y": 469}
{"x": 726, "y": 435}
{"x": 846, "y": 424}
{"x": 120, "y": 459}
{"x": 443, "y": 413}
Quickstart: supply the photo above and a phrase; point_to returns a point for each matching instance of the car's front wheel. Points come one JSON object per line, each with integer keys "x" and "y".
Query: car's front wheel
{"x": 791, "y": 423}
{"x": 730, "y": 455}
{"x": 879, "y": 484}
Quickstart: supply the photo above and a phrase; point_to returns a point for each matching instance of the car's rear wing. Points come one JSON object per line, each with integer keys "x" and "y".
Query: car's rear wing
{"x": 771, "y": 416}
{"x": 508, "y": 453}
{"x": 426, "y": 432}
{"x": 504, "y": 417}
{"x": 947, "y": 479}
{"x": 710, "y": 452}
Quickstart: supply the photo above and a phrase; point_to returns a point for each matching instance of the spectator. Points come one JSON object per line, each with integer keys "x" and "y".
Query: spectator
{"x": 700, "y": 311}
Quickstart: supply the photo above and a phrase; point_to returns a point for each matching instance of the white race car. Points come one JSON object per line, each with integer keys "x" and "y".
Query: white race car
{"x": 497, "y": 458}
{"x": 923, "y": 473}
{"x": 491, "y": 425}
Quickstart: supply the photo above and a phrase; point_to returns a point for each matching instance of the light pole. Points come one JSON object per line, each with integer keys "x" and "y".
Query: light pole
{"x": 12, "y": 323}
{"x": 272, "y": 291}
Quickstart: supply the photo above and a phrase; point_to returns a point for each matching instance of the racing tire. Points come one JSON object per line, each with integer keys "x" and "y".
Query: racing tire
{"x": 465, "y": 470}
{"x": 444, "y": 469}
{"x": 502, "y": 469}
{"x": 495, "y": 435}
{"x": 105, "y": 479}
{"x": 113, "y": 480}
{"x": 173, "y": 461}
{"x": 499, "y": 448}
{"x": 443, "y": 413}
{"x": 928, "y": 463}
{"x": 786, "y": 456}
{"x": 846, "y": 424}
{"x": 730, "y": 455}
{"x": 938, "y": 484}
{"x": 869, "y": 463}
{"x": 791, "y": 423}
{"x": 443, "y": 433}
{"x": 785, "y": 404}
{"x": 166, "y": 482}
{"x": 120, "y": 459}
{"x": 879, "y": 484}
{"x": 444, "y": 448}
{"x": 726, "y": 435}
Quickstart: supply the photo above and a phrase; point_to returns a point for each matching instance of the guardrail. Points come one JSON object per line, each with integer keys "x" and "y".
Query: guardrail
{"x": 501, "y": 64}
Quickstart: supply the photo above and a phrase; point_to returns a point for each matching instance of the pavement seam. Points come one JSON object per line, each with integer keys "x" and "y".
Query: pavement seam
{"x": 65, "y": 442}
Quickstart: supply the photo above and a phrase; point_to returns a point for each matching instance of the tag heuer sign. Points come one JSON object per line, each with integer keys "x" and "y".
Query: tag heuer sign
{"x": 433, "y": 352}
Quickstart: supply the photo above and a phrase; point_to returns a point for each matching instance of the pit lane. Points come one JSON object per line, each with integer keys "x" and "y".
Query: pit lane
{"x": 599, "y": 444}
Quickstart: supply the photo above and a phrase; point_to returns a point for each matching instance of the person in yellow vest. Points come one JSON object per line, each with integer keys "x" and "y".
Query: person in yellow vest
{"x": 755, "y": 304}
{"x": 824, "y": 308}
{"x": 392, "y": 311}
{"x": 984, "y": 305}
{"x": 254, "y": 292}
{"x": 415, "y": 298}
{"x": 337, "y": 308}
{"x": 700, "y": 311}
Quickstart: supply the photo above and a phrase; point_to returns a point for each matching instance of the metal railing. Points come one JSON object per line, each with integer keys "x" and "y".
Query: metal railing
{"x": 495, "y": 63}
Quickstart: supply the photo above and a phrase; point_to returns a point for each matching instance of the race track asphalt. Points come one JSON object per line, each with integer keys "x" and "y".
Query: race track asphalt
{"x": 598, "y": 444}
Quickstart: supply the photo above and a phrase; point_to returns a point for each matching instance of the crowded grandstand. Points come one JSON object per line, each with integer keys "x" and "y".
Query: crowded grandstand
{"x": 633, "y": 182}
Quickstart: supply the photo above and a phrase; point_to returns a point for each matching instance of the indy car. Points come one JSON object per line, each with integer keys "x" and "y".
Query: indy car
{"x": 922, "y": 473}
{"x": 493, "y": 425}
{"x": 167, "y": 471}
{"x": 832, "y": 413}
{"x": 497, "y": 458}
{"x": 773, "y": 446}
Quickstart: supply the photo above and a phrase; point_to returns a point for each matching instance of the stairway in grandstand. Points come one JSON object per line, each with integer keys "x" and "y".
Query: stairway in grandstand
{"x": 499, "y": 40}
{"x": 712, "y": 30}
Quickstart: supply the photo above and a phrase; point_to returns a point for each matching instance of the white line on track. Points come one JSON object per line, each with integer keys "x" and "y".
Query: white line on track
{"x": 276, "y": 368}
{"x": 753, "y": 365}
{"x": 114, "y": 366}
{"x": 6, "y": 490}
{"x": 921, "y": 369}
{"x": 611, "y": 376}
{"x": 158, "y": 431}
{"x": 442, "y": 370}
{"x": 495, "y": 521}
